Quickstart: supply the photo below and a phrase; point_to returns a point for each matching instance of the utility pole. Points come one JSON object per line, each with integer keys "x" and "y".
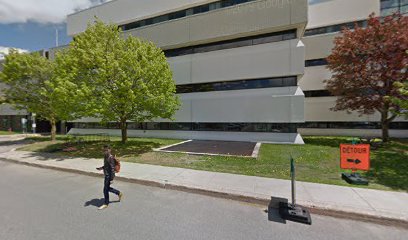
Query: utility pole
{"x": 56, "y": 36}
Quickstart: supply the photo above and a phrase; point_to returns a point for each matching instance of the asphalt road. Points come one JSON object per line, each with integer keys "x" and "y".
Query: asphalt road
{"x": 46, "y": 204}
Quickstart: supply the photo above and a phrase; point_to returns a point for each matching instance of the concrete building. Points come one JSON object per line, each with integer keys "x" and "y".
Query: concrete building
{"x": 248, "y": 70}
{"x": 325, "y": 21}
{"x": 236, "y": 64}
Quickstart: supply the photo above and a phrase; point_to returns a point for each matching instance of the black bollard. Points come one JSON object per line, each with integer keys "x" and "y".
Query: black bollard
{"x": 291, "y": 211}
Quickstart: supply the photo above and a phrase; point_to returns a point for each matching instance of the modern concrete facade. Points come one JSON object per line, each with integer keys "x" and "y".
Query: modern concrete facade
{"x": 249, "y": 53}
{"x": 245, "y": 69}
{"x": 325, "y": 19}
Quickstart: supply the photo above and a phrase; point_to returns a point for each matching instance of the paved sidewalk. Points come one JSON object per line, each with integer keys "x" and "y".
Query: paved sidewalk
{"x": 358, "y": 202}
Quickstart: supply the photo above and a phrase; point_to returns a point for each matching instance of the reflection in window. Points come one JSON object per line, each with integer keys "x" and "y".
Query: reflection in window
{"x": 235, "y": 43}
{"x": 388, "y": 7}
{"x": 238, "y": 85}
{"x": 219, "y": 127}
{"x": 315, "y": 62}
{"x": 334, "y": 28}
{"x": 183, "y": 13}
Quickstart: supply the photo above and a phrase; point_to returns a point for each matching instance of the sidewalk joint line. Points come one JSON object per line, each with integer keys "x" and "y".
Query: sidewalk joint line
{"x": 358, "y": 194}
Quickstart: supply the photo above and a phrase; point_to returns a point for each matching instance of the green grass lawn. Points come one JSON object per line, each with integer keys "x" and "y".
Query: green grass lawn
{"x": 316, "y": 161}
{"x": 8, "y": 133}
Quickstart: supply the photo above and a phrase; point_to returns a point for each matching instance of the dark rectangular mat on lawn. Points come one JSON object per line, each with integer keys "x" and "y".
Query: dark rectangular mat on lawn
{"x": 215, "y": 147}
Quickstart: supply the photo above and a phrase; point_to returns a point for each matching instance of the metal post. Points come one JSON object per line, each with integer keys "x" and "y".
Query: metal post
{"x": 292, "y": 173}
{"x": 34, "y": 125}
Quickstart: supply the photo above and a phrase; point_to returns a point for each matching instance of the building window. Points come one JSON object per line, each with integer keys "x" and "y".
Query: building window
{"x": 218, "y": 127}
{"x": 235, "y": 43}
{"x": 183, "y": 13}
{"x": 352, "y": 125}
{"x": 388, "y": 7}
{"x": 238, "y": 85}
{"x": 317, "y": 93}
{"x": 315, "y": 62}
{"x": 334, "y": 28}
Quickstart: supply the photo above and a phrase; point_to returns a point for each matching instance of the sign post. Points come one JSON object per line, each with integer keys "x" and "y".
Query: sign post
{"x": 355, "y": 157}
{"x": 33, "y": 125}
{"x": 291, "y": 211}
{"x": 24, "y": 125}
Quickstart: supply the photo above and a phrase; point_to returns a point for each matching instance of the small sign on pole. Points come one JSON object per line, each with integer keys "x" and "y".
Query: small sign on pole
{"x": 355, "y": 157}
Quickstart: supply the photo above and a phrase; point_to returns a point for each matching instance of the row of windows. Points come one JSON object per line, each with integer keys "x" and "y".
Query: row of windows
{"x": 388, "y": 7}
{"x": 238, "y": 85}
{"x": 317, "y": 93}
{"x": 315, "y": 62}
{"x": 183, "y": 13}
{"x": 325, "y": 93}
{"x": 219, "y": 127}
{"x": 239, "y": 42}
{"x": 352, "y": 125}
{"x": 334, "y": 28}
{"x": 243, "y": 127}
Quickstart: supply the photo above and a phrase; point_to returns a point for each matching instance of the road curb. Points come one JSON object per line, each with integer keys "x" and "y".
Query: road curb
{"x": 273, "y": 202}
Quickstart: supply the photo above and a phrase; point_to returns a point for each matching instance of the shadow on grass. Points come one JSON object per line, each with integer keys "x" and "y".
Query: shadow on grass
{"x": 328, "y": 141}
{"x": 55, "y": 151}
{"x": 389, "y": 166}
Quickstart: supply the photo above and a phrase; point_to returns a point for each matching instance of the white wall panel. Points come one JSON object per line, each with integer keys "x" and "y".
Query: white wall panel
{"x": 332, "y": 12}
{"x": 259, "y": 61}
{"x": 314, "y": 77}
{"x": 269, "y": 105}
{"x": 319, "y": 46}
{"x": 123, "y": 11}
{"x": 318, "y": 109}
{"x": 250, "y": 18}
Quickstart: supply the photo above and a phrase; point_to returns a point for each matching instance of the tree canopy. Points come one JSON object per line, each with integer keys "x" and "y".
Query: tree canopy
{"x": 129, "y": 78}
{"x": 366, "y": 62}
{"x": 32, "y": 83}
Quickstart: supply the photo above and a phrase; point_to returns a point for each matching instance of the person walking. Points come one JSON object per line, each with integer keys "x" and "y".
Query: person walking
{"x": 109, "y": 172}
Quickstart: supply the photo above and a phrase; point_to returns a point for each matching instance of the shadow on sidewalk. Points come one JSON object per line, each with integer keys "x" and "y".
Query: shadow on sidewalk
{"x": 273, "y": 210}
{"x": 14, "y": 142}
{"x": 97, "y": 202}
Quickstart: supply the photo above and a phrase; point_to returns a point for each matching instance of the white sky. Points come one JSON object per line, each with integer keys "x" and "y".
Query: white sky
{"x": 41, "y": 11}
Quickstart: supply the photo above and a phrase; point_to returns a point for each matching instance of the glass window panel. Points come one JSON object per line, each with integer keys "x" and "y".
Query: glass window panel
{"x": 269, "y": 39}
{"x": 289, "y": 36}
{"x": 201, "y": 9}
{"x": 389, "y": 3}
{"x": 236, "y": 44}
{"x": 215, "y": 5}
{"x": 404, "y": 9}
{"x": 189, "y": 12}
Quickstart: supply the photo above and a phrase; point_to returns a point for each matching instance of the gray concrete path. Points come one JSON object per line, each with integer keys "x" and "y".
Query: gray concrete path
{"x": 41, "y": 204}
{"x": 337, "y": 199}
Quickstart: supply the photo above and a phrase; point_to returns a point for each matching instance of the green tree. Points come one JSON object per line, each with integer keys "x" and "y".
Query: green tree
{"x": 130, "y": 78}
{"x": 32, "y": 83}
{"x": 402, "y": 101}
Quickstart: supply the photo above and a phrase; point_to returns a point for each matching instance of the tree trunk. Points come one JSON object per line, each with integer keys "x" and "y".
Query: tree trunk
{"x": 53, "y": 130}
{"x": 123, "y": 128}
{"x": 385, "y": 124}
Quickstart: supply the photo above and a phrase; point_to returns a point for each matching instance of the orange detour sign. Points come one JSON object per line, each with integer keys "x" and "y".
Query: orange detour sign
{"x": 356, "y": 157}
